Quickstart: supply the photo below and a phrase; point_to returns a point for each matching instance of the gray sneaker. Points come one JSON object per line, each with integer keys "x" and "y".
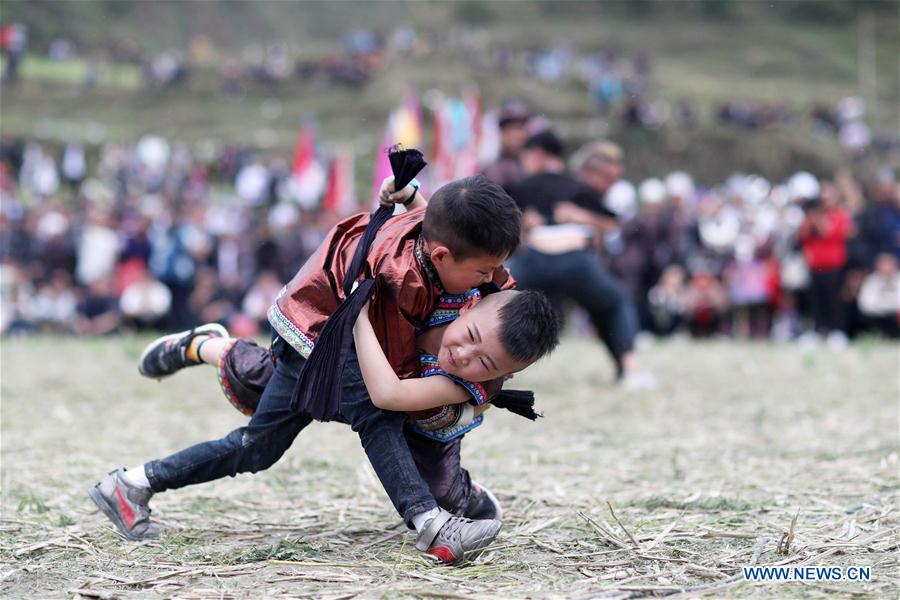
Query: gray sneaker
{"x": 168, "y": 354}
{"x": 483, "y": 504}
{"x": 126, "y": 506}
{"x": 454, "y": 539}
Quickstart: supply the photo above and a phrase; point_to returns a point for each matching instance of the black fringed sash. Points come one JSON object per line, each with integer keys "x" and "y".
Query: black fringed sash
{"x": 318, "y": 389}
{"x": 520, "y": 402}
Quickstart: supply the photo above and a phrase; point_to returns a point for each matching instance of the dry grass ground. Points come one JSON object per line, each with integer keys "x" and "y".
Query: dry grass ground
{"x": 701, "y": 475}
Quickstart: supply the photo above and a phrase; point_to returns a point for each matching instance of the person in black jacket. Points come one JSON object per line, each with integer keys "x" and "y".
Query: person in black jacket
{"x": 562, "y": 219}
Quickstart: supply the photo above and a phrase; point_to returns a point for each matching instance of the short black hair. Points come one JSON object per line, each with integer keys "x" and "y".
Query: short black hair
{"x": 548, "y": 142}
{"x": 473, "y": 216}
{"x": 514, "y": 112}
{"x": 529, "y": 326}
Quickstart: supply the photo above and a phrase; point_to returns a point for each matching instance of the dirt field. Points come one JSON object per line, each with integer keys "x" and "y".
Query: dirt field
{"x": 701, "y": 477}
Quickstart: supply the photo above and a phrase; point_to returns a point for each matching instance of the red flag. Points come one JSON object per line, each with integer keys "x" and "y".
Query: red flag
{"x": 339, "y": 198}
{"x": 305, "y": 149}
{"x": 307, "y": 174}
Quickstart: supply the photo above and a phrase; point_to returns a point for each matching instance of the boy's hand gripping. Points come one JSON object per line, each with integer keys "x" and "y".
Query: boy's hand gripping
{"x": 388, "y": 196}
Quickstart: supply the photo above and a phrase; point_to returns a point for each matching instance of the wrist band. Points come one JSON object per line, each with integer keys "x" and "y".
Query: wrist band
{"x": 415, "y": 184}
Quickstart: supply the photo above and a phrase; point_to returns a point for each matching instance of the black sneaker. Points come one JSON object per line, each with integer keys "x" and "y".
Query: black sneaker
{"x": 455, "y": 539}
{"x": 483, "y": 505}
{"x": 167, "y": 354}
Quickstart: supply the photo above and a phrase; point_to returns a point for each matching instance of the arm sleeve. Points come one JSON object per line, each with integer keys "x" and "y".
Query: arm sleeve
{"x": 444, "y": 425}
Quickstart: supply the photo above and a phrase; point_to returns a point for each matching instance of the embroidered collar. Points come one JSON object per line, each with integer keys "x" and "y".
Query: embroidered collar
{"x": 448, "y": 307}
{"x": 426, "y": 263}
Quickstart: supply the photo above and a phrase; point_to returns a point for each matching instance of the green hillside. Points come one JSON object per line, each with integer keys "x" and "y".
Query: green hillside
{"x": 707, "y": 52}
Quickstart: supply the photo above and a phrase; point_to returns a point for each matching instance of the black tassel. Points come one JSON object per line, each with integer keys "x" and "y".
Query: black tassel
{"x": 405, "y": 164}
{"x": 520, "y": 402}
{"x": 357, "y": 265}
{"x": 318, "y": 389}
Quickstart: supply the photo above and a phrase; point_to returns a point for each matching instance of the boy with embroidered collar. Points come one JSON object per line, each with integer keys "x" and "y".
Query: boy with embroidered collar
{"x": 471, "y": 226}
{"x": 484, "y": 342}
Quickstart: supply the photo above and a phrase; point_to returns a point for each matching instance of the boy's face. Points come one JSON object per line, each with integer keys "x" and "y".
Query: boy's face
{"x": 471, "y": 347}
{"x": 460, "y": 276}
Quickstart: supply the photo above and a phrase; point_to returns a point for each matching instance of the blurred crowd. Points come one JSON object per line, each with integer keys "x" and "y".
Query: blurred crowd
{"x": 807, "y": 258}
{"x": 153, "y": 235}
{"x": 146, "y": 240}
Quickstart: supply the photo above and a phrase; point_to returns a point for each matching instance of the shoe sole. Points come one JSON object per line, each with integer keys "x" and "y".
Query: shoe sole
{"x": 111, "y": 513}
{"x": 211, "y": 328}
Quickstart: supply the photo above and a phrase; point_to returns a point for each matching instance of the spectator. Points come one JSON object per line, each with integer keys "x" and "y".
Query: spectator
{"x": 208, "y": 303}
{"x": 513, "y": 121}
{"x": 879, "y": 297}
{"x": 16, "y": 301}
{"x": 98, "y": 311}
{"x": 260, "y": 297}
{"x": 668, "y": 301}
{"x": 879, "y": 222}
{"x": 706, "y": 305}
{"x": 55, "y": 304}
{"x": 145, "y": 301}
{"x": 823, "y": 236}
{"x": 98, "y": 248}
{"x": 562, "y": 219}
{"x": 74, "y": 166}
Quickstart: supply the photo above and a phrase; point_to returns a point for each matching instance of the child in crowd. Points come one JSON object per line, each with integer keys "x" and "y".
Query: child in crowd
{"x": 879, "y": 296}
{"x": 460, "y": 242}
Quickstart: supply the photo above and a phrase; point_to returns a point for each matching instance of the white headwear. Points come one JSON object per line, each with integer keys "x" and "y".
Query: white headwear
{"x": 802, "y": 186}
{"x": 51, "y": 224}
{"x": 621, "y": 198}
{"x": 652, "y": 191}
{"x": 756, "y": 189}
{"x": 679, "y": 184}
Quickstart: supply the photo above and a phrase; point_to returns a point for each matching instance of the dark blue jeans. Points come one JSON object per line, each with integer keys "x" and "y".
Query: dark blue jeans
{"x": 580, "y": 276}
{"x": 271, "y": 431}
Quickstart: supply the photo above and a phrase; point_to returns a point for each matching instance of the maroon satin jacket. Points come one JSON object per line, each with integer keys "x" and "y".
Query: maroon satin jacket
{"x": 408, "y": 288}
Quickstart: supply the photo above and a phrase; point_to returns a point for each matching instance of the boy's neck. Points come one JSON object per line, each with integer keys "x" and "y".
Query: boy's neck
{"x": 429, "y": 341}
{"x": 425, "y": 261}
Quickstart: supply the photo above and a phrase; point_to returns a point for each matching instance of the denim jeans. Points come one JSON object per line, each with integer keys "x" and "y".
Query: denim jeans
{"x": 271, "y": 431}
{"x": 580, "y": 276}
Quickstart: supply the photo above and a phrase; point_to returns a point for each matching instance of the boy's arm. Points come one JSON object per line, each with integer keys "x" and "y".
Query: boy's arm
{"x": 388, "y": 391}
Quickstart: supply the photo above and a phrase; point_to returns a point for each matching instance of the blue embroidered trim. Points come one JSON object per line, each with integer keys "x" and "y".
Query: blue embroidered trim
{"x": 447, "y": 308}
{"x": 292, "y": 334}
{"x": 449, "y": 433}
{"x": 428, "y": 366}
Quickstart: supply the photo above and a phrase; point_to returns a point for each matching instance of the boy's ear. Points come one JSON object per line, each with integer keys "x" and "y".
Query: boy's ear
{"x": 440, "y": 253}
